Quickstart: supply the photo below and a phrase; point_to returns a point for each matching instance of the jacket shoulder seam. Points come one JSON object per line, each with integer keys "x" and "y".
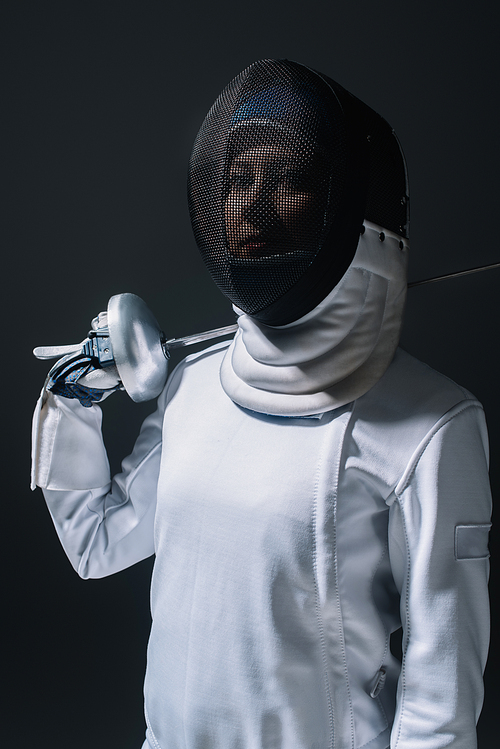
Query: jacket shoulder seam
{"x": 412, "y": 464}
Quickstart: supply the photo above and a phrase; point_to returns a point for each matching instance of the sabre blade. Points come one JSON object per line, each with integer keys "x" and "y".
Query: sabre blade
{"x": 189, "y": 340}
{"x": 455, "y": 274}
{"x": 54, "y": 352}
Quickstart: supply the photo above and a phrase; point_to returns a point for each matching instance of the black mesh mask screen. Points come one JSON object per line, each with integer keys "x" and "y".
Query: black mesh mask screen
{"x": 278, "y": 185}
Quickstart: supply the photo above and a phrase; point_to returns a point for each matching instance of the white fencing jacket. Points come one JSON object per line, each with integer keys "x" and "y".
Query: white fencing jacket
{"x": 287, "y": 551}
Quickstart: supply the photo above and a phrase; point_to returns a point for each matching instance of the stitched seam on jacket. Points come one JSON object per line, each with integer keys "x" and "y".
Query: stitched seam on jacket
{"x": 374, "y": 738}
{"x": 148, "y": 723}
{"x": 133, "y": 473}
{"x": 385, "y": 551}
{"x": 319, "y": 618}
{"x": 379, "y": 563}
{"x": 421, "y": 448}
{"x": 335, "y": 564}
{"x": 407, "y": 629}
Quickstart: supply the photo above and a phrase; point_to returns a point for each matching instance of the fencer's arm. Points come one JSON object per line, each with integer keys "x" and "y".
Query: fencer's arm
{"x": 104, "y": 524}
{"x": 438, "y": 533}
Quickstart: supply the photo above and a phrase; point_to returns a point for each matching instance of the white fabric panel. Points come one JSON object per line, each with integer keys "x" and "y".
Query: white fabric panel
{"x": 108, "y": 528}
{"x": 444, "y": 602}
{"x": 282, "y": 548}
{"x": 471, "y": 541}
{"x": 67, "y": 446}
{"x": 334, "y": 354}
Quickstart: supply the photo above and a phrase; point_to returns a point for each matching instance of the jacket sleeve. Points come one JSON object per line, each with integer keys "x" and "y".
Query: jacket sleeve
{"x": 439, "y": 523}
{"x": 104, "y": 524}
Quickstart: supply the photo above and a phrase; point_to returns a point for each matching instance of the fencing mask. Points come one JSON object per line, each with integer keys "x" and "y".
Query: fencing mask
{"x": 285, "y": 168}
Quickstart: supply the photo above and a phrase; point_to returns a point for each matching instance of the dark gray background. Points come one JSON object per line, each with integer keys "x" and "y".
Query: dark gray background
{"x": 101, "y": 104}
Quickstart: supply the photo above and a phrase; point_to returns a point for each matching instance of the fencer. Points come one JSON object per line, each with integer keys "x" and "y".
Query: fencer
{"x": 308, "y": 487}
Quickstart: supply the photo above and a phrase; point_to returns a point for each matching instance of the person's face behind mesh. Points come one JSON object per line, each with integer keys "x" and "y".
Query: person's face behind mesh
{"x": 275, "y": 202}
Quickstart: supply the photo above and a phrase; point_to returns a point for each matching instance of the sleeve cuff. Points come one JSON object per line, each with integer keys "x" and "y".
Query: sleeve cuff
{"x": 67, "y": 446}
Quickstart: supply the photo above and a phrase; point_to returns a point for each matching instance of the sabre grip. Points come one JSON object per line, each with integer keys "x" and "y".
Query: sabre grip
{"x": 90, "y": 374}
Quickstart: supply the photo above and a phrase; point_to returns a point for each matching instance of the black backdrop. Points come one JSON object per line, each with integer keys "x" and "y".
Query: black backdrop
{"x": 101, "y": 104}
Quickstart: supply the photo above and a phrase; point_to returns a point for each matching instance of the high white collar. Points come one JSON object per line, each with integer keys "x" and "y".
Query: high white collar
{"x": 336, "y": 352}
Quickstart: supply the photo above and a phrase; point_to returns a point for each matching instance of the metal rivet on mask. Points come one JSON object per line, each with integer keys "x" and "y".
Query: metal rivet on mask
{"x": 368, "y": 138}
{"x": 381, "y": 236}
{"x": 401, "y": 245}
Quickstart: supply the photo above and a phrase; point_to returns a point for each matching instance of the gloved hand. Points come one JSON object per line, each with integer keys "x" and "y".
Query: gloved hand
{"x": 81, "y": 375}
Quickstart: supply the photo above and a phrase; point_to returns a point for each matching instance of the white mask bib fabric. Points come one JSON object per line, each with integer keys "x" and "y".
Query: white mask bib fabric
{"x": 336, "y": 352}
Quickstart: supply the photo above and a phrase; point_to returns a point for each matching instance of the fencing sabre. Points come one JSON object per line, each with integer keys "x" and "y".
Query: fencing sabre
{"x": 135, "y": 343}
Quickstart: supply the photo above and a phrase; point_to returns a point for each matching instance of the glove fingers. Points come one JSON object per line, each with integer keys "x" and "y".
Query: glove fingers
{"x": 101, "y": 378}
{"x": 86, "y": 396}
{"x": 65, "y": 379}
{"x": 80, "y": 375}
